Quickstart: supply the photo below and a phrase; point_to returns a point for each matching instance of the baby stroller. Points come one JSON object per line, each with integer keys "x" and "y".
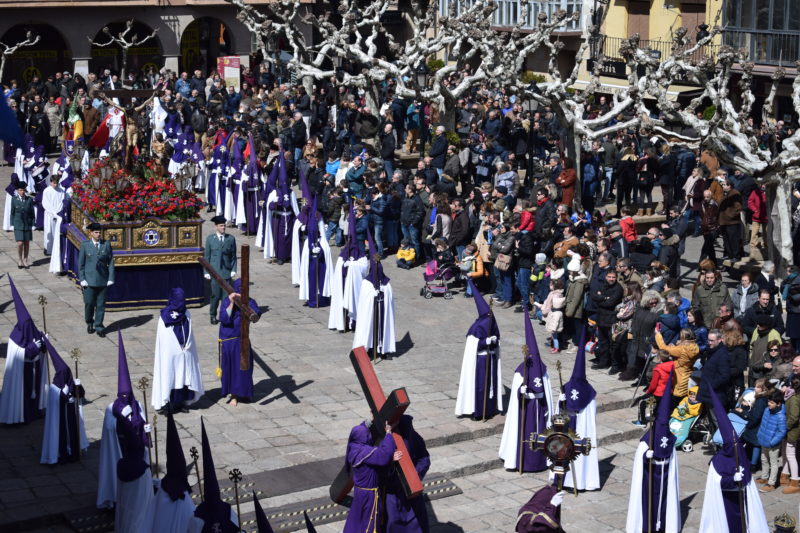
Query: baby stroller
{"x": 737, "y": 420}
{"x": 437, "y": 280}
{"x": 682, "y": 421}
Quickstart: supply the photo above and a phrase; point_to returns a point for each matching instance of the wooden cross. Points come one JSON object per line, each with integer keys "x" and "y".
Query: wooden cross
{"x": 243, "y": 302}
{"x": 383, "y": 410}
{"x": 124, "y": 95}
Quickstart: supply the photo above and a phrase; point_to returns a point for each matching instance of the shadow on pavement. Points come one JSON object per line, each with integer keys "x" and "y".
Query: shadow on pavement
{"x": 130, "y": 322}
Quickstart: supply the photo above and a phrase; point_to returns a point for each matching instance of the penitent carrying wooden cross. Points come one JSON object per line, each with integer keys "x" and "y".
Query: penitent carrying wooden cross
{"x": 242, "y": 302}
{"x": 383, "y": 410}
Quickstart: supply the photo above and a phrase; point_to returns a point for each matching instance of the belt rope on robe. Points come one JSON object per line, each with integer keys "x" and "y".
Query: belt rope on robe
{"x": 374, "y": 510}
{"x": 660, "y": 496}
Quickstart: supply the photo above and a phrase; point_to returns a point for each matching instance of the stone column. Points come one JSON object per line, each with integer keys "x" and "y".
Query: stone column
{"x": 81, "y": 66}
{"x": 171, "y": 63}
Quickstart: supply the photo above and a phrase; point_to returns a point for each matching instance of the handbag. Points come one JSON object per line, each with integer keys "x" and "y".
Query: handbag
{"x": 503, "y": 262}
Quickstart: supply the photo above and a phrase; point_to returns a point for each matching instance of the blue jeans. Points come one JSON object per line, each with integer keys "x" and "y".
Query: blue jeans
{"x": 439, "y": 172}
{"x": 387, "y": 166}
{"x": 411, "y": 233}
{"x": 688, "y": 215}
{"x": 332, "y": 228}
{"x": 523, "y": 284}
{"x": 460, "y": 252}
{"x": 377, "y": 230}
{"x": 504, "y": 285}
{"x": 607, "y": 182}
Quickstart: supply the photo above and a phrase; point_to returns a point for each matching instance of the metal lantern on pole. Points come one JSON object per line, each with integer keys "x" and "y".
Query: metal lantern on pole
{"x": 75, "y": 164}
{"x": 106, "y": 172}
{"x": 422, "y": 73}
{"x": 702, "y": 32}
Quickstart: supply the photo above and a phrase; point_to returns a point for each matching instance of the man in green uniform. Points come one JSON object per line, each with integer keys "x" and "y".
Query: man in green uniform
{"x": 221, "y": 253}
{"x": 96, "y": 274}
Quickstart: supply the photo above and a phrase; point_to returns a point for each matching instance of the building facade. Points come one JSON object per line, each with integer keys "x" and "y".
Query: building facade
{"x": 190, "y": 34}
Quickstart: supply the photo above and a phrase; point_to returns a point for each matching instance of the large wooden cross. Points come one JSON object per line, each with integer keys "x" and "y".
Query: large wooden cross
{"x": 383, "y": 410}
{"x": 242, "y": 302}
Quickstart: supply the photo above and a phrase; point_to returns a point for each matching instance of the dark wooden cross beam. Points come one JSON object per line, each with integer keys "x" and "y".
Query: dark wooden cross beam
{"x": 383, "y": 410}
{"x": 125, "y": 95}
{"x": 242, "y": 301}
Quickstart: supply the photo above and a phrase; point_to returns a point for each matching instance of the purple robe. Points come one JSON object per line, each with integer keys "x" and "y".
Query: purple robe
{"x": 281, "y": 225}
{"x": 404, "y": 515}
{"x": 539, "y": 515}
{"x": 40, "y": 186}
{"x": 234, "y": 380}
{"x": 535, "y": 420}
{"x": 25, "y": 334}
{"x": 366, "y": 463}
{"x": 132, "y": 439}
{"x": 485, "y": 376}
{"x": 659, "y": 494}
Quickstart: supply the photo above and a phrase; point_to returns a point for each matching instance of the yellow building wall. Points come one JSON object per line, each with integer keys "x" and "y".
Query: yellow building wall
{"x": 665, "y": 18}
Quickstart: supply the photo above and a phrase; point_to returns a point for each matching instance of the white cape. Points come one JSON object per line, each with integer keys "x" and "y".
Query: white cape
{"x": 336, "y": 314}
{"x": 264, "y": 235}
{"x": 297, "y": 245}
{"x": 345, "y": 290}
{"x": 712, "y": 520}
{"x": 11, "y": 408}
{"x": 465, "y": 399}
{"x": 57, "y": 263}
{"x": 586, "y": 467}
{"x": 53, "y": 203}
{"x": 110, "y": 454}
{"x": 241, "y": 212}
{"x": 174, "y": 516}
{"x": 174, "y": 366}
{"x": 52, "y": 427}
{"x": 636, "y": 521}
{"x": 134, "y": 514}
{"x": 7, "y": 214}
{"x": 363, "y": 334}
{"x": 304, "y": 261}
{"x": 509, "y": 443}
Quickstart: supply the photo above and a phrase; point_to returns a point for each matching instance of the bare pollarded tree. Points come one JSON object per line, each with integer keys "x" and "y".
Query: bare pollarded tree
{"x": 124, "y": 42}
{"x": 352, "y": 32}
{"x": 756, "y": 146}
{"x": 9, "y": 50}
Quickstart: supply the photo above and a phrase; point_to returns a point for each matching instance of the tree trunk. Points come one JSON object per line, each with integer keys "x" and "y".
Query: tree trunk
{"x": 2, "y": 67}
{"x": 372, "y": 99}
{"x": 448, "y": 112}
{"x": 124, "y": 64}
{"x": 778, "y": 237}
{"x": 308, "y": 83}
{"x": 572, "y": 150}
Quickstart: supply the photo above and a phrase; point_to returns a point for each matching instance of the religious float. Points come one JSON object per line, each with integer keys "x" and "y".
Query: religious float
{"x": 154, "y": 228}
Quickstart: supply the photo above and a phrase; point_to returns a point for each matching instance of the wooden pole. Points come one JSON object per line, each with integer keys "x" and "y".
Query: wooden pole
{"x": 251, "y": 315}
{"x": 244, "y": 362}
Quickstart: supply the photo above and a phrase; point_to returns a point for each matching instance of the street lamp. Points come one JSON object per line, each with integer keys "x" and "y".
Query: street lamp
{"x": 422, "y": 73}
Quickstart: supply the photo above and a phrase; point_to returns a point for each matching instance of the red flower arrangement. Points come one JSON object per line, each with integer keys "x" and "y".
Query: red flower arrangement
{"x": 134, "y": 195}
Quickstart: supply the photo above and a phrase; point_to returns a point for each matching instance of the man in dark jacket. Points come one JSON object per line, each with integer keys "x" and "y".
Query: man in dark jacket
{"x": 388, "y": 146}
{"x": 730, "y": 222}
{"x": 669, "y": 255}
{"x": 606, "y": 299}
{"x": 460, "y": 235}
{"x": 763, "y": 307}
{"x": 411, "y": 215}
{"x": 716, "y": 370}
{"x": 438, "y": 151}
{"x": 545, "y": 217}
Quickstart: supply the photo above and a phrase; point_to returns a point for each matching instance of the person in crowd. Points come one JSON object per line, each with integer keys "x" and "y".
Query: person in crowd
{"x": 771, "y": 432}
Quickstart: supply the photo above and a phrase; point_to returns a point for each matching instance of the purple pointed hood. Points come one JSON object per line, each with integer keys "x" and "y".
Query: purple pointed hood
{"x": 175, "y": 310}
{"x": 125, "y": 396}
{"x": 663, "y": 441}
{"x": 485, "y": 325}
{"x": 12, "y": 187}
{"x": 309, "y": 525}
{"x": 282, "y": 183}
{"x": 578, "y": 391}
{"x": 63, "y": 375}
{"x": 356, "y": 454}
{"x": 375, "y": 275}
{"x": 262, "y": 524}
{"x": 213, "y": 511}
{"x": 178, "y": 154}
{"x": 197, "y": 153}
{"x": 30, "y": 147}
{"x": 304, "y": 187}
{"x": 253, "y": 170}
{"x": 313, "y": 227}
{"x": 351, "y": 250}
{"x": 237, "y": 159}
{"x": 535, "y": 369}
{"x": 725, "y": 459}
{"x": 221, "y": 152}
{"x": 175, "y": 482}
{"x": 25, "y": 331}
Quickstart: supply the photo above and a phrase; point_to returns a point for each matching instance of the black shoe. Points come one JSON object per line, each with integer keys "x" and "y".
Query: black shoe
{"x": 210, "y": 209}
{"x": 279, "y": 262}
{"x": 598, "y": 366}
{"x": 101, "y": 333}
{"x": 90, "y": 329}
{"x": 214, "y": 321}
{"x": 614, "y": 371}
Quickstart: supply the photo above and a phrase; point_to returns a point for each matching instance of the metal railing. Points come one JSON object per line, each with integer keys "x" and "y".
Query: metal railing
{"x": 510, "y": 12}
{"x": 660, "y": 49}
{"x": 771, "y": 48}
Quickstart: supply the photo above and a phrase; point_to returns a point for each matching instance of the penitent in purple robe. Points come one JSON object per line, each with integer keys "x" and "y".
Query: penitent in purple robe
{"x": 234, "y": 380}
{"x": 405, "y": 515}
{"x": 367, "y": 464}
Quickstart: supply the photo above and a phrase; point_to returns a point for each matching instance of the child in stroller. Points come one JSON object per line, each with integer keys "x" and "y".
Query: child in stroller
{"x": 683, "y": 419}
{"x": 439, "y": 272}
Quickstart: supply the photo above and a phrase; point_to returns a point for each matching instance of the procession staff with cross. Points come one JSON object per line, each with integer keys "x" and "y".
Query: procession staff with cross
{"x": 237, "y": 312}
{"x": 386, "y": 412}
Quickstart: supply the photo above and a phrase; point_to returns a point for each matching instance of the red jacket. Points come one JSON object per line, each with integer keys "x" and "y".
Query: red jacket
{"x": 659, "y": 380}
{"x": 757, "y": 204}
{"x": 628, "y": 227}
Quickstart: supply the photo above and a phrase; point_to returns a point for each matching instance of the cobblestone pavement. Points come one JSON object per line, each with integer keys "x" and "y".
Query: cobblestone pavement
{"x": 307, "y": 398}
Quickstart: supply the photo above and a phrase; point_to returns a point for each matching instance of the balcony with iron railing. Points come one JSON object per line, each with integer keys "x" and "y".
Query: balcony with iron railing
{"x": 659, "y": 49}
{"x": 766, "y": 47}
{"x": 509, "y": 13}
